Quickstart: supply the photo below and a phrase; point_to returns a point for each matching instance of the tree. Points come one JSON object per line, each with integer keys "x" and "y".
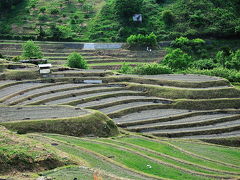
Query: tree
{"x": 177, "y": 59}
{"x": 125, "y": 9}
{"x": 168, "y": 17}
{"x": 75, "y": 60}
{"x": 55, "y": 33}
{"x": 41, "y": 33}
{"x": 31, "y": 50}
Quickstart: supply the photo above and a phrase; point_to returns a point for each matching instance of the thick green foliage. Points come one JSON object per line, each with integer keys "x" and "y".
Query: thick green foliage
{"x": 142, "y": 41}
{"x": 31, "y": 50}
{"x": 194, "y": 47}
{"x": 204, "y": 64}
{"x": 125, "y": 9}
{"x": 7, "y": 4}
{"x": 146, "y": 69}
{"x": 168, "y": 17}
{"x": 177, "y": 59}
{"x": 75, "y": 60}
{"x": 234, "y": 61}
{"x": 113, "y": 22}
{"x": 231, "y": 61}
{"x": 126, "y": 69}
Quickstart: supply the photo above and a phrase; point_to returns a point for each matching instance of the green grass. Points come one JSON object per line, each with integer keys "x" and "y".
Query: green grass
{"x": 129, "y": 159}
{"x": 168, "y": 150}
{"x": 93, "y": 161}
{"x": 225, "y": 154}
{"x": 154, "y": 154}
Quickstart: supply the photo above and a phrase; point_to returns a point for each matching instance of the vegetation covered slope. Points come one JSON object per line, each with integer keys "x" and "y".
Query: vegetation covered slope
{"x": 137, "y": 157}
{"x": 112, "y": 20}
{"x": 52, "y": 20}
{"x": 20, "y": 154}
{"x": 168, "y": 19}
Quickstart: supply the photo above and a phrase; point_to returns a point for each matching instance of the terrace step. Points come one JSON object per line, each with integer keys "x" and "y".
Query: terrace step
{"x": 82, "y": 73}
{"x": 39, "y": 112}
{"x": 67, "y": 94}
{"x": 22, "y": 86}
{"x": 44, "y": 90}
{"x": 106, "y": 102}
{"x": 149, "y": 114}
{"x": 99, "y": 94}
{"x": 235, "y": 134}
{"x": 195, "y": 121}
{"x": 217, "y": 128}
{"x": 123, "y": 106}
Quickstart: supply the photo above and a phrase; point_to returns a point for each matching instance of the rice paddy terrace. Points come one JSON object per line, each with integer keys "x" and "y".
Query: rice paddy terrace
{"x": 161, "y": 120}
{"x": 97, "y": 55}
{"x": 181, "y": 106}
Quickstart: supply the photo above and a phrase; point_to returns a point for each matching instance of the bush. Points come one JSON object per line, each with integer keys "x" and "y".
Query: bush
{"x": 168, "y": 17}
{"x": 54, "y": 11}
{"x": 1, "y": 56}
{"x": 142, "y": 41}
{"x": 125, "y": 9}
{"x": 234, "y": 61}
{"x": 126, "y": 69}
{"x": 42, "y": 17}
{"x": 75, "y": 60}
{"x": 16, "y": 59}
{"x": 42, "y": 9}
{"x": 204, "y": 64}
{"x": 221, "y": 58}
{"x": 177, "y": 59}
{"x": 194, "y": 47}
{"x": 31, "y": 50}
{"x": 151, "y": 69}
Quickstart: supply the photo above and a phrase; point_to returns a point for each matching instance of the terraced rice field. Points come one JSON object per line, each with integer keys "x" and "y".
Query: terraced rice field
{"x": 135, "y": 109}
{"x": 168, "y": 112}
{"x": 97, "y": 59}
{"x": 137, "y": 157}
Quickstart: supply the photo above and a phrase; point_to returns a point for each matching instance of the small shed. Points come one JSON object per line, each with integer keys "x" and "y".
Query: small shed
{"x": 45, "y": 68}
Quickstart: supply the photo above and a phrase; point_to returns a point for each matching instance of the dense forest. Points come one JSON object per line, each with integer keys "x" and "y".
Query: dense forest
{"x": 168, "y": 19}
{"x": 112, "y": 20}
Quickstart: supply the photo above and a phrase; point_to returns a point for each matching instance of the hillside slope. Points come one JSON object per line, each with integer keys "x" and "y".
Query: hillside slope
{"x": 111, "y": 20}
{"x": 169, "y": 19}
{"x": 52, "y": 20}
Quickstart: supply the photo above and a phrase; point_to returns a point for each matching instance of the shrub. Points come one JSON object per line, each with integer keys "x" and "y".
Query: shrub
{"x": 31, "y": 50}
{"x": 151, "y": 69}
{"x": 177, "y": 59}
{"x": 125, "y": 9}
{"x": 126, "y": 69}
{"x": 221, "y": 58}
{"x": 54, "y": 32}
{"x": 142, "y": 41}
{"x": 194, "y": 47}
{"x": 16, "y": 58}
{"x": 168, "y": 17}
{"x": 204, "y": 64}
{"x": 54, "y": 11}
{"x": 42, "y": 9}
{"x": 234, "y": 61}
{"x": 75, "y": 60}
{"x": 42, "y": 17}
{"x": 1, "y": 56}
